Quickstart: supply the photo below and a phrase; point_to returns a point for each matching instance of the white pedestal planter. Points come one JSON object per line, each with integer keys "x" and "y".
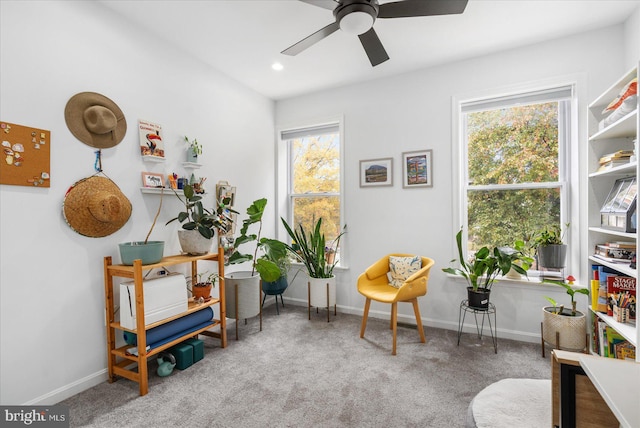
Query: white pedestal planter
{"x": 192, "y": 242}
{"x": 243, "y": 294}
{"x": 322, "y": 294}
{"x": 564, "y": 331}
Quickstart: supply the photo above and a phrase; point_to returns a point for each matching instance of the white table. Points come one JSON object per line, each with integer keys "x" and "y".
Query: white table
{"x": 618, "y": 382}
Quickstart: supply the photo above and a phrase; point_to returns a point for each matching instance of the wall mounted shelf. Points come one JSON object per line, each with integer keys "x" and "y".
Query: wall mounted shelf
{"x": 156, "y": 159}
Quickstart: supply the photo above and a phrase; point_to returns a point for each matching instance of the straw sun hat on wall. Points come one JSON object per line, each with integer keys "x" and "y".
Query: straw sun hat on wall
{"x": 95, "y": 207}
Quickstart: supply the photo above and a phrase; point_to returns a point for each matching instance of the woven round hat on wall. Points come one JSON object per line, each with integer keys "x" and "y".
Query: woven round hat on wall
{"x": 95, "y": 120}
{"x": 95, "y": 207}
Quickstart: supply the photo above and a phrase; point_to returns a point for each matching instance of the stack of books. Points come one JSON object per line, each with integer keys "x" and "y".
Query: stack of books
{"x": 611, "y": 160}
{"x": 616, "y": 252}
{"x": 609, "y": 343}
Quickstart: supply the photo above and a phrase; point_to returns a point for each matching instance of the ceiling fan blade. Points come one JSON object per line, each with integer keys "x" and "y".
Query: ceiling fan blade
{"x": 373, "y": 47}
{"x": 408, "y": 8}
{"x": 311, "y": 40}
{"x": 325, "y": 4}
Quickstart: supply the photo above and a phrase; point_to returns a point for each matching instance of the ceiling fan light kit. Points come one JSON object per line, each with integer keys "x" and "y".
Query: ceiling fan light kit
{"x": 356, "y": 17}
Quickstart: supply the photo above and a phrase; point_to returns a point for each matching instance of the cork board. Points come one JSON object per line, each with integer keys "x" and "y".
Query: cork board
{"x": 26, "y": 157}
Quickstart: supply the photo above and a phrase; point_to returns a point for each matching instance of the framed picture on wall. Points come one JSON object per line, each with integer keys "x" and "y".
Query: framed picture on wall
{"x": 376, "y": 172}
{"x": 417, "y": 169}
{"x": 150, "y": 179}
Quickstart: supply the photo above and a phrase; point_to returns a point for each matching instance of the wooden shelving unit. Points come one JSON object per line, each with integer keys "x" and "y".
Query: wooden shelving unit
{"x": 616, "y": 136}
{"x": 134, "y": 367}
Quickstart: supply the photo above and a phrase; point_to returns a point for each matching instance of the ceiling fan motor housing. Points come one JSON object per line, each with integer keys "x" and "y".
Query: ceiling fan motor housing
{"x": 358, "y": 22}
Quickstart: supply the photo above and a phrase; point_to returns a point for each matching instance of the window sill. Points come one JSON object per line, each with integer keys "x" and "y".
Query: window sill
{"x": 336, "y": 268}
{"x": 533, "y": 281}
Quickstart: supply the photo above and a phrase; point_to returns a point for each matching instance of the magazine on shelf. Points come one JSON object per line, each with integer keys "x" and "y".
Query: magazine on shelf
{"x": 621, "y": 291}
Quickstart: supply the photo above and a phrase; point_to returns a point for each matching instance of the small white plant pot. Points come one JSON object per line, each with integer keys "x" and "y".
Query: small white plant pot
{"x": 318, "y": 289}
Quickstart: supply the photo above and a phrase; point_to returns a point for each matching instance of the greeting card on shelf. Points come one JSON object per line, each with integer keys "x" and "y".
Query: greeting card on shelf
{"x": 151, "y": 144}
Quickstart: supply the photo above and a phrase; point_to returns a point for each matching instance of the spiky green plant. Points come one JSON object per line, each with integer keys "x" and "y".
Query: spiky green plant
{"x": 312, "y": 249}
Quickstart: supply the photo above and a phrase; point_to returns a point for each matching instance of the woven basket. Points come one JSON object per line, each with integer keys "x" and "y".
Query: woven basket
{"x": 572, "y": 329}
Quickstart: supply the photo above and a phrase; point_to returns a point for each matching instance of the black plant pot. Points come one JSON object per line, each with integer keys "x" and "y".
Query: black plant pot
{"x": 478, "y": 299}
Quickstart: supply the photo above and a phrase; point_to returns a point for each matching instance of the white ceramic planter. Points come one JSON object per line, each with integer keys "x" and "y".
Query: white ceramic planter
{"x": 192, "y": 242}
{"x": 318, "y": 292}
{"x": 572, "y": 329}
{"x": 249, "y": 294}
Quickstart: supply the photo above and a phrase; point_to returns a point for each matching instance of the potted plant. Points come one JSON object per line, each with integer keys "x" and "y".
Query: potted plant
{"x": 272, "y": 252}
{"x": 266, "y": 267}
{"x": 564, "y": 327}
{"x": 484, "y": 267}
{"x": 551, "y": 251}
{"x": 524, "y": 248}
{"x": 199, "y": 224}
{"x": 311, "y": 249}
{"x": 202, "y": 288}
{"x": 148, "y": 251}
{"x": 194, "y": 150}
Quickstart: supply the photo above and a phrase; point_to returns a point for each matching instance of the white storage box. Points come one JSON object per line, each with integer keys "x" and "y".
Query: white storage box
{"x": 163, "y": 298}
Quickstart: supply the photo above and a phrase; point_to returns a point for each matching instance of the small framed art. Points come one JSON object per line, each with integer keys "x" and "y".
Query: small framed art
{"x": 150, "y": 179}
{"x": 417, "y": 169}
{"x": 376, "y": 172}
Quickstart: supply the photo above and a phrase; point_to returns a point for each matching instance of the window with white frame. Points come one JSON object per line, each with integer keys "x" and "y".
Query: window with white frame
{"x": 515, "y": 177}
{"x": 314, "y": 164}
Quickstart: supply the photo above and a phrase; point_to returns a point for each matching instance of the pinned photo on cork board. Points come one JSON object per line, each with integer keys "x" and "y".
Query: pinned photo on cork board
{"x": 26, "y": 155}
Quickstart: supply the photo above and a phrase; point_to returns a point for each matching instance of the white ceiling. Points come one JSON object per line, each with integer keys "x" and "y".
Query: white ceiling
{"x": 243, "y": 38}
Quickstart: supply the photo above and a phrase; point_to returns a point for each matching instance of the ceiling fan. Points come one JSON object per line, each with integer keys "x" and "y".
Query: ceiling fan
{"x": 357, "y": 17}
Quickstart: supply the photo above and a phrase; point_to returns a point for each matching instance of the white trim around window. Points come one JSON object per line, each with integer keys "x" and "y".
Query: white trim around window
{"x": 296, "y": 130}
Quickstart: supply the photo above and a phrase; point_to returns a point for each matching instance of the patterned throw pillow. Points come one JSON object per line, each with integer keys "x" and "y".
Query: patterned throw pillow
{"x": 402, "y": 268}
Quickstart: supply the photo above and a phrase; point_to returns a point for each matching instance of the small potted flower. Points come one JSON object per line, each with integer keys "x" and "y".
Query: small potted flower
{"x": 194, "y": 150}
{"x": 201, "y": 290}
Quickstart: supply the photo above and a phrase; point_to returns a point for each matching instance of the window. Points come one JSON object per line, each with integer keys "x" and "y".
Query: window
{"x": 314, "y": 178}
{"x": 515, "y": 172}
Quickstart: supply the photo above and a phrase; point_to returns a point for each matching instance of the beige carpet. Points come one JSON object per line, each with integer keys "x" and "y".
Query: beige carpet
{"x": 301, "y": 373}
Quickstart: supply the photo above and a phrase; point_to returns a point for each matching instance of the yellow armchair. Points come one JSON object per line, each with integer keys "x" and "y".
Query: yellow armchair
{"x": 373, "y": 284}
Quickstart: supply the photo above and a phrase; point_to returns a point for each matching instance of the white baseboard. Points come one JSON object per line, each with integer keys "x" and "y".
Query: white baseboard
{"x": 70, "y": 390}
{"x": 521, "y": 336}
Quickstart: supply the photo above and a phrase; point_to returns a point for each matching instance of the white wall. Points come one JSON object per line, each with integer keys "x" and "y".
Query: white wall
{"x": 410, "y": 112}
{"x": 632, "y": 38}
{"x": 51, "y": 289}
{"x": 52, "y": 294}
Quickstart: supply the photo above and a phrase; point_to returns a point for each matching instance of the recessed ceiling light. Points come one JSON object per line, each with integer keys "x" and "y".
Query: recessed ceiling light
{"x": 277, "y": 66}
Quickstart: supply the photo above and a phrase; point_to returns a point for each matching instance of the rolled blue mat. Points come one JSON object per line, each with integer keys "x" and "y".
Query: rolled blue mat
{"x": 173, "y": 329}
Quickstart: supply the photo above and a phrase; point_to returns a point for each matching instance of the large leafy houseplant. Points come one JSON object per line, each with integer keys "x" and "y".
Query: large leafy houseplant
{"x": 196, "y": 217}
{"x": 487, "y": 264}
{"x": 271, "y": 263}
{"x": 311, "y": 249}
